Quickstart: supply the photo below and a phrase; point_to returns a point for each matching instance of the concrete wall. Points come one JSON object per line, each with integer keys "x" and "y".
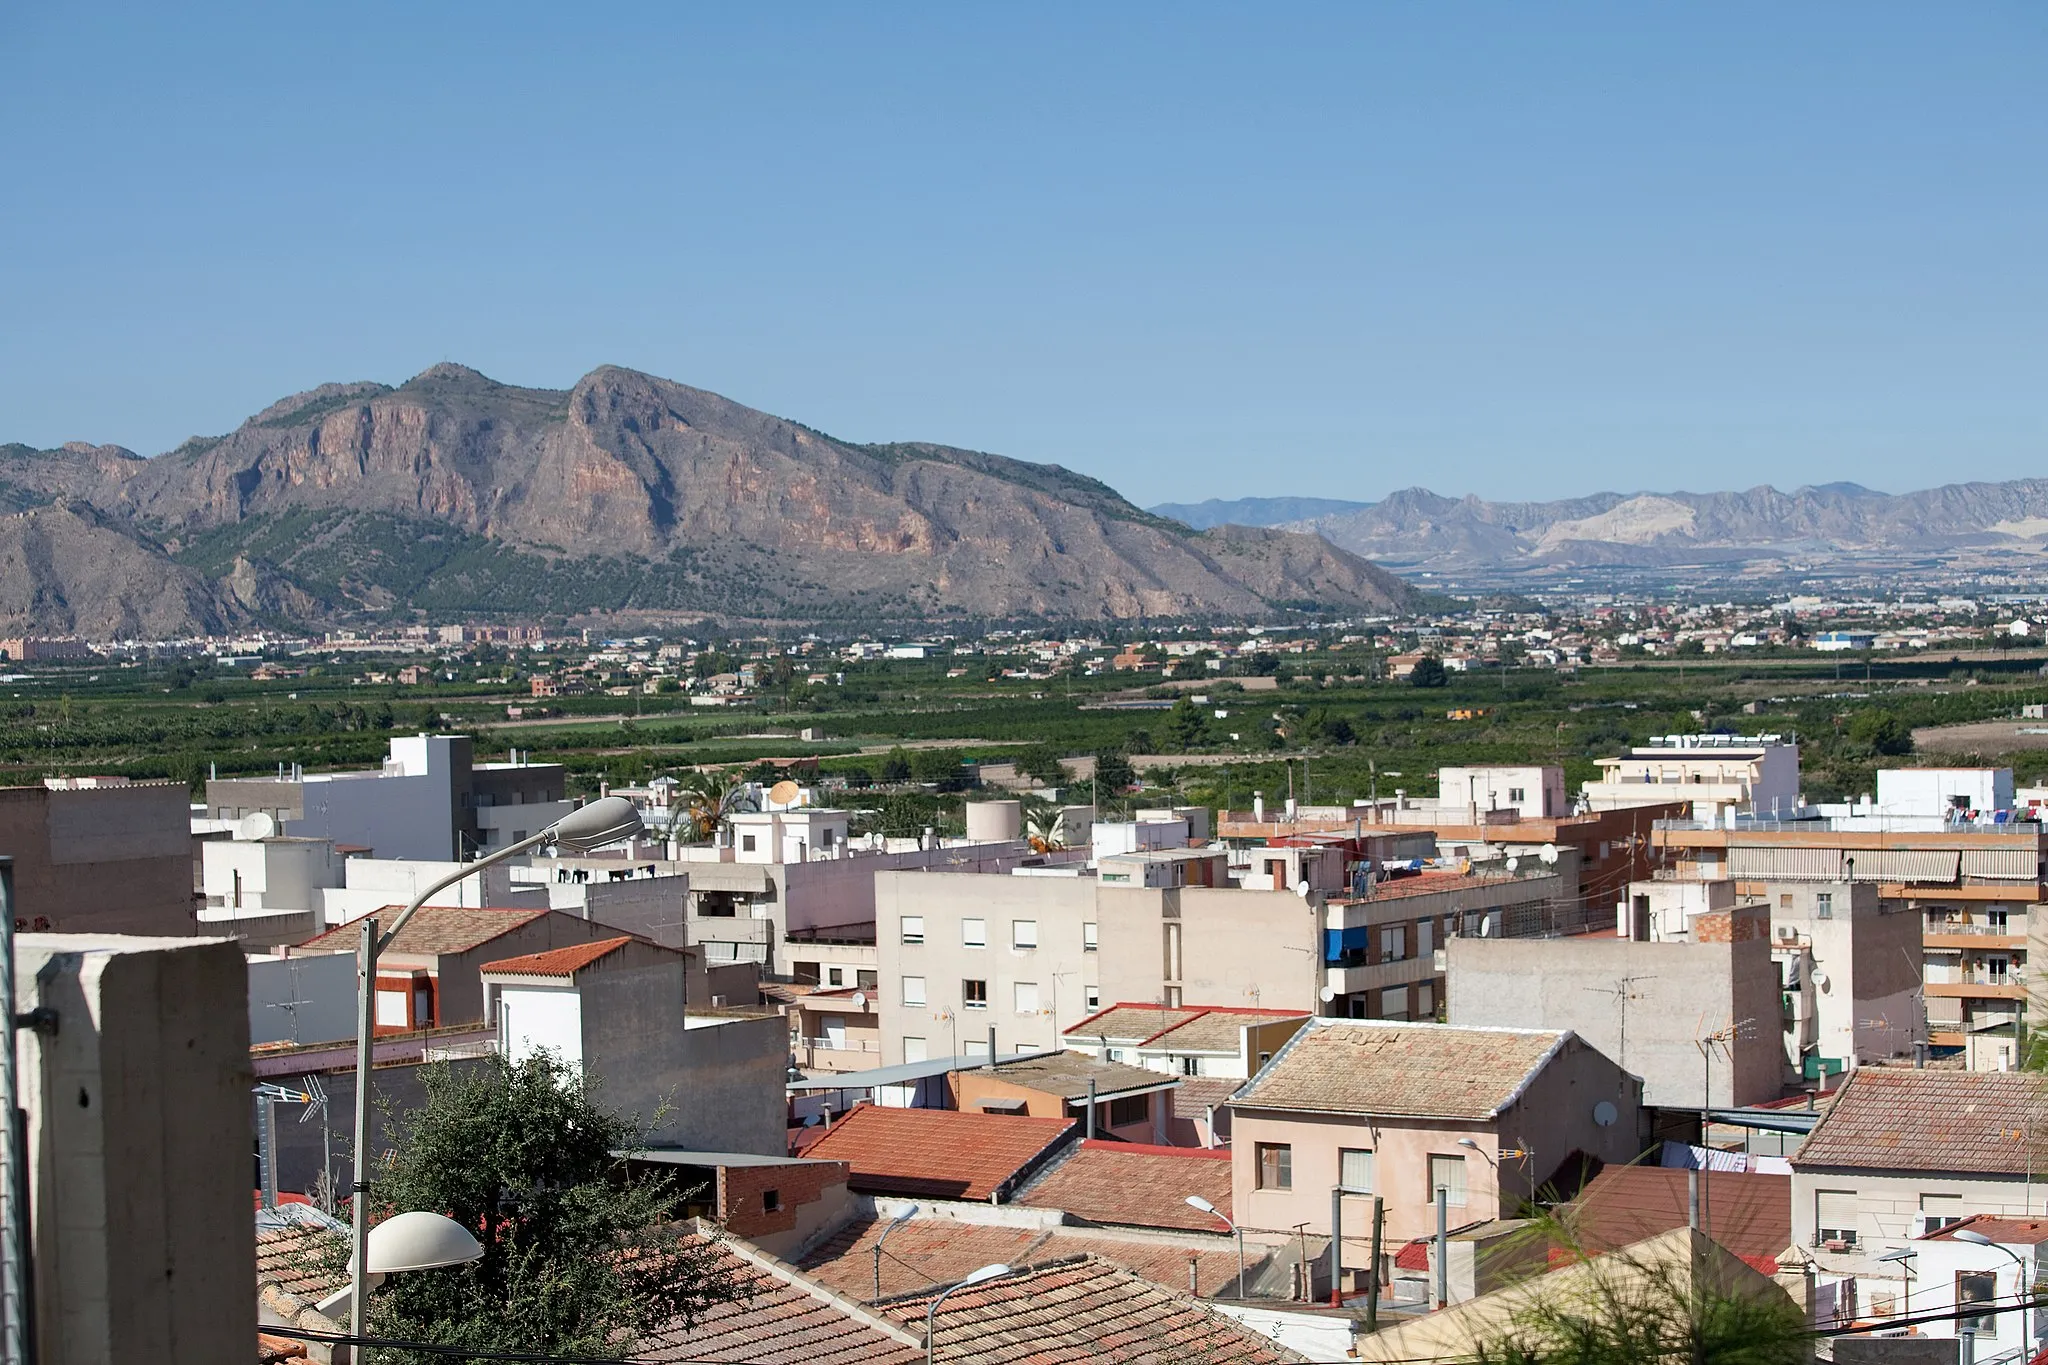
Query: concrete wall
{"x": 1490, "y": 789}
{"x": 1214, "y": 946}
{"x": 305, "y": 999}
{"x": 1931, "y": 792}
{"x": 654, "y": 908}
{"x": 1644, "y": 1004}
{"x": 397, "y": 817}
{"x": 1060, "y": 966}
{"x": 534, "y": 1018}
{"x": 1888, "y": 1202}
{"x": 138, "y": 1119}
{"x": 732, "y": 1098}
{"x": 101, "y": 860}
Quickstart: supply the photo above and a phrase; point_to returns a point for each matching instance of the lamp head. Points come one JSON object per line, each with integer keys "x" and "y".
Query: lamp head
{"x": 905, "y": 1216}
{"x": 1468, "y": 1142}
{"x": 1195, "y": 1201}
{"x": 984, "y": 1275}
{"x": 1972, "y": 1236}
{"x": 420, "y": 1241}
{"x": 604, "y": 821}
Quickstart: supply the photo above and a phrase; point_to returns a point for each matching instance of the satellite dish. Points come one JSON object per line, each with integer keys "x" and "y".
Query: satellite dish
{"x": 1514, "y": 864}
{"x": 1604, "y": 1113}
{"x": 785, "y": 793}
{"x": 1327, "y": 994}
{"x": 1548, "y": 853}
{"x": 1820, "y": 979}
{"x": 860, "y": 998}
{"x": 1485, "y": 925}
{"x": 1302, "y": 888}
{"x": 256, "y": 826}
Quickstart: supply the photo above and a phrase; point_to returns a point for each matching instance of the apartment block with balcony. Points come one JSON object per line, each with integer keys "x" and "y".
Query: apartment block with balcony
{"x": 1975, "y": 889}
{"x": 1717, "y": 774}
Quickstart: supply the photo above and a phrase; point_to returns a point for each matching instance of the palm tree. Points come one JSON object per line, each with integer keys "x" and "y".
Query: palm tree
{"x": 705, "y": 801}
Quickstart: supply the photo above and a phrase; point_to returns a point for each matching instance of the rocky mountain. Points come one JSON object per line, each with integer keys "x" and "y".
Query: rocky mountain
{"x": 1253, "y": 511}
{"x": 1956, "y": 525}
{"x": 457, "y": 495}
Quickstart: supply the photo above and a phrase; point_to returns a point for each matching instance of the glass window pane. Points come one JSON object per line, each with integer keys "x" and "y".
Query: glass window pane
{"x": 1354, "y": 1169}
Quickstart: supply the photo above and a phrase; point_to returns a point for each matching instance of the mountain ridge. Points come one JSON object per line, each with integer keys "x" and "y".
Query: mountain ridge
{"x": 623, "y": 493}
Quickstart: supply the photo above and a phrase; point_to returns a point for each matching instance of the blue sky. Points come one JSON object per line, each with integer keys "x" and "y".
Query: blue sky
{"x": 1512, "y": 250}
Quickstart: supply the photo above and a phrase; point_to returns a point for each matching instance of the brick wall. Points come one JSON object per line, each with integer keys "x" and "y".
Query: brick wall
{"x": 1740, "y": 924}
{"x": 742, "y": 1191}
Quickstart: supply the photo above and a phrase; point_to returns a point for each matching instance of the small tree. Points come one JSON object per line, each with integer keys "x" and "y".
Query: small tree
{"x": 1880, "y": 732}
{"x": 579, "y": 1257}
{"x": 1429, "y": 672}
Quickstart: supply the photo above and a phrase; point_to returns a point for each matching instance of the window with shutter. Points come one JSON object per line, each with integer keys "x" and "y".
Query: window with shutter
{"x": 1447, "y": 1173}
{"x": 1355, "y": 1169}
{"x": 1834, "y": 1216}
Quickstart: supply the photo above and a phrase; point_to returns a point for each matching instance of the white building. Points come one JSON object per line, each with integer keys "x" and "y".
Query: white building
{"x": 1532, "y": 793}
{"x": 1944, "y": 794}
{"x": 1718, "y": 774}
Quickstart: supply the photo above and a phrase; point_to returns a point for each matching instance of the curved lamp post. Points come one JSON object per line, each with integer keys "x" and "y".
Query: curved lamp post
{"x": 894, "y": 1223}
{"x": 604, "y": 821}
{"x": 1978, "y": 1239}
{"x": 931, "y": 1314}
{"x": 1195, "y": 1201}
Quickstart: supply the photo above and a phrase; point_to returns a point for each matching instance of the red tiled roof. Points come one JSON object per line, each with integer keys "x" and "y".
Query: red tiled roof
{"x": 295, "y": 1258}
{"x": 937, "y": 1153}
{"x": 558, "y": 961}
{"x": 270, "y": 1349}
{"x": 1428, "y": 884}
{"x": 1748, "y": 1213}
{"x": 1142, "y": 1186}
{"x": 1900, "y": 1118}
{"x": 1131, "y": 1020}
{"x": 1218, "y": 1030}
{"x": 936, "y": 1251}
{"x": 1084, "y": 1310}
{"x": 1193, "y": 1096}
{"x": 2011, "y": 1232}
{"x": 1197, "y": 1028}
{"x": 434, "y": 930}
{"x": 781, "y": 1317}
{"x": 1369, "y": 1066}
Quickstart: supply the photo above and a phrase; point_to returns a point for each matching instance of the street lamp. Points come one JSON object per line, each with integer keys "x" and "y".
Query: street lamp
{"x": 1521, "y": 1154}
{"x": 1903, "y": 1258}
{"x": 931, "y": 1314}
{"x": 405, "y": 1241}
{"x": 604, "y": 821}
{"x": 894, "y": 1223}
{"x": 1978, "y": 1239}
{"x": 1195, "y": 1201}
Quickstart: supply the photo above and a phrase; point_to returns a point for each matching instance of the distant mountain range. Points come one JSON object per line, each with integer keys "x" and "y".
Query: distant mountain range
{"x": 1416, "y": 531}
{"x": 458, "y": 496}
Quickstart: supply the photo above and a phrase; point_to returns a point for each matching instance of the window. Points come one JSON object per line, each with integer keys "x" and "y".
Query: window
{"x": 825, "y": 837}
{"x": 1972, "y": 1288}
{"x": 1824, "y": 905}
{"x": 913, "y": 928}
{"x": 974, "y": 933}
{"x": 835, "y": 976}
{"x": 746, "y": 843}
{"x": 1127, "y": 1110}
{"x": 1091, "y": 996}
{"x": 974, "y": 994}
{"x": 1023, "y": 933}
{"x": 1026, "y": 993}
{"x": 1354, "y": 1168}
{"x": 1834, "y": 1216}
{"x": 1516, "y": 796}
{"x": 913, "y": 1050}
{"x": 1447, "y": 1173}
{"x": 771, "y": 1201}
{"x": 913, "y": 990}
{"x": 1425, "y": 1003}
{"x": 1087, "y": 938}
{"x": 1276, "y": 1165}
{"x": 1937, "y": 1211}
{"x": 866, "y": 980}
{"x": 1995, "y": 919}
{"x": 1785, "y": 900}
{"x": 1393, "y": 943}
{"x": 1173, "y": 997}
{"x": 1026, "y": 1049}
{"x": 1394, "y": 1002}
{"x": 1424, "y": 937}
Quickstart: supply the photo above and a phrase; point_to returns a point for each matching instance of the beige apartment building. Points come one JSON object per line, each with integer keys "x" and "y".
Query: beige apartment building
{"x": 1976, "y": 891}
{"x": 959, "y": 953}
{"x": 1715, "y": 774}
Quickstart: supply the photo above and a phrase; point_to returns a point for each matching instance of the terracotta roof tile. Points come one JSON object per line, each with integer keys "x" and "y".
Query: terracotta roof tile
{"x": 1129, "y": 1022}
{"x": 295, "y": 1259}
{"x": 1067, "y": 1074}
{"x": 1193, "y": 1096}
{"x": 1368, "y": 1066}
{"x": 937, "y": 1153}
{"x": 933, "y": 1251}
{"x": 558, "y": 961}
{"x": 1123, "y": 1182}
{"x": 2008, "y": 1232}
{"x": 1748, "y": 1213}
{"x": 782, "y": 1318}
{"x": 1084, "y": 1310}
{"x": 434, "y": 930}
{"x": 1908, "y": 1119}
{"x": 1218, "y": 1030}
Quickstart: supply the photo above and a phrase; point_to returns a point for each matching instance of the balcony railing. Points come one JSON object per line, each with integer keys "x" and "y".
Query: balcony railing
{"x": 843, "y": 1044}
{"x": 1935, "y": 926}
